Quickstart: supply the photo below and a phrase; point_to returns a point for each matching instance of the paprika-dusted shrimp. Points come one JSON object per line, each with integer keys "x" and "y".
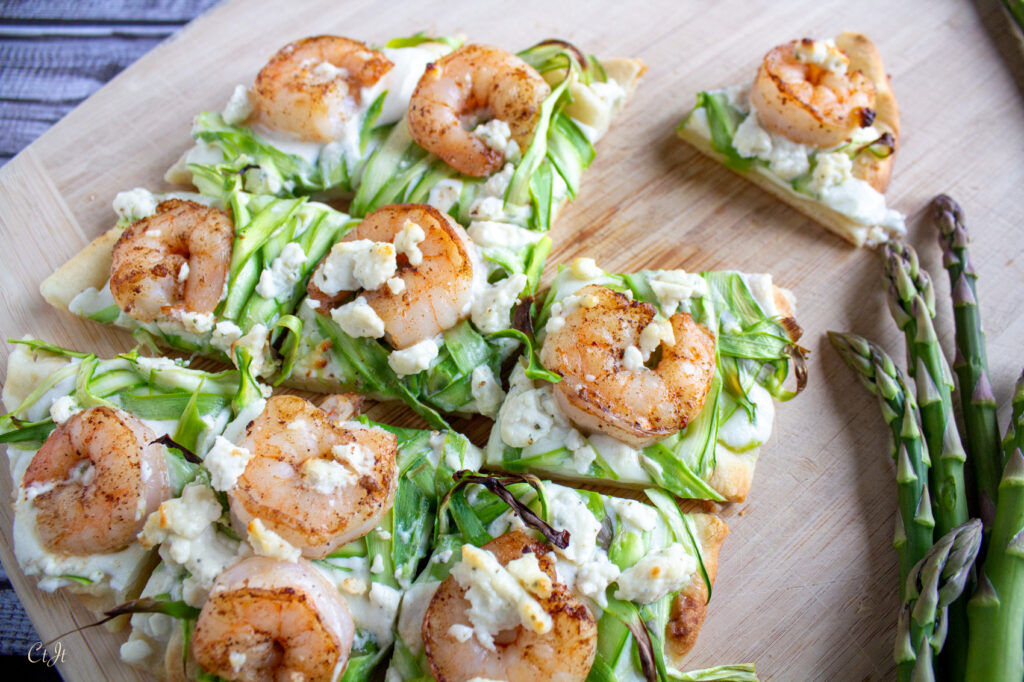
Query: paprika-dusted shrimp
{"x": 311, "y": 87}
{"x": 562, "y": 654}
{"x": 94, "y": 482}
{"x": 805, "y": 92}
{"x": 316, "y": 482}
{"x": 437, "y": 281}
{"x": 273, "y": 620}
{"x": 471, "y": 85}
{"x": 174, "y": 261}
{"x": 599, "y": 391}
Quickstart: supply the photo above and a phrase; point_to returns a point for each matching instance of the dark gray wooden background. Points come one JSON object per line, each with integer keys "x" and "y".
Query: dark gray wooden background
{"x": 54, "y": 54}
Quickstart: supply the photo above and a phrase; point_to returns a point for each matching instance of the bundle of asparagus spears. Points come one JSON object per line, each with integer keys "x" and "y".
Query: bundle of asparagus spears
{"x": 962, "y": 579}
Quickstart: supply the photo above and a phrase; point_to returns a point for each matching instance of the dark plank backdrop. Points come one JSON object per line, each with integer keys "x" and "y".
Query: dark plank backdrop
{"x": 52, "y": 56}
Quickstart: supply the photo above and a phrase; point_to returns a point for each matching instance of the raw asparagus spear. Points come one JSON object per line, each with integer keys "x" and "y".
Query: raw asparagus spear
{"x": 880, "y": 375}
{"x": 934, "y": 583}
{"x": 996, "y": 611}
{"x": 1014, "y": 438}
{"x": 971, "y": 363}
{"x": 912, "y": 303}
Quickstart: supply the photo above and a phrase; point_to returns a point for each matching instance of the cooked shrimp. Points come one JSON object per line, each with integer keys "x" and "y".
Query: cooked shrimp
{"x": 564, "y": 653}
{"x": 471, "y": 85}
{"x": 435, "y": 291}
{"x": 804, "y": 92}
{"x": 273, "y": 620}
{"x": 311, "y": 87}
{"x": 315, "y": 482}
{"x": 599, "y": 393}
{"x": 100, "y": 478}
{"x": 151, "y": 255}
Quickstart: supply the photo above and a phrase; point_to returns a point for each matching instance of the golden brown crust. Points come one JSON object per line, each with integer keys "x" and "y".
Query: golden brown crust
{"x": 90, "y": 267}
{"x": 865, "y": 58}
{"x": 690, "y": 606}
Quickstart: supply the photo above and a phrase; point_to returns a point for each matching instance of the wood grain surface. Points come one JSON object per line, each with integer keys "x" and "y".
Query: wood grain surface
{"x": 807, "y": 583}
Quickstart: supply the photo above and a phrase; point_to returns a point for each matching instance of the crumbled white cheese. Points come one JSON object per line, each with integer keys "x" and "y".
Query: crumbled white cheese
{"x": 357, "y": 319}
{"x": 135, "y": 204}
{"x": 632, "y": 359}
{"x": 183, "y": 272}
{"x": 239, "y": 107}
{"x": 566, "y": 307}
{"x": 444, "y": 194}
{"x": 823, "y": 53}
{"x": 63, "y": 408}
{"x": 830, "y": 168}
{"x": 183, "y": 517}
{"x": 236, "y": 659}
{"x": 526, "y": 569}
{"x": 396, "y": 285}
{"x": 225, "y": 333}
{"x": 657, "y": 574}
{"x": 155, "y": 364}
{"x": 414, "y": 359}
{"x": 226, "y": 462}
{"x": 135, "y": 651}
{"x": 594, "y": 577}
{"x": 352, "y": 265}
{"x": 489, "y": 234}
{"x": 325, "y": 475}
{"x": 492, "y": 308}
{"x": 586, "y": 268}
{"x": 635, "y": 515}
{"x": 566, "y": 509}
{"x": 497, "y": 135}
{"x": 673, "y": 287}
{"x": 656, "y": 333}
{"x": 786, "y": 159}
{"x": 528, "y": 413}
{"x": 284, "y": 272}
{"x": 486, "y": 390}
{"x": 407, "y": 242}
{"x": 266, "y": 542}
{"x": 196, "y": 323}
{"x": 328, "y": 71}
{"x": 378, "y": 564}
{"x": 751, "y": 140}
{"x": 497, "y": 599}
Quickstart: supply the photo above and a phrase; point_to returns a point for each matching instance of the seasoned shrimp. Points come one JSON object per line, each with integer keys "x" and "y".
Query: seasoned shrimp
{"x": 600, "y": 393}
{"x": 435, "y": 291}
{"x": 315, "y": 482}
{"x": 95, "y": 480}
{"x": 311, "y": 87}
{"x": 273, "y": 620}
{"x": 805, "y": 92}
{"x": 563, "y": 654}
{"x": 173, "y": 261}
{"x": 471, "y": 85}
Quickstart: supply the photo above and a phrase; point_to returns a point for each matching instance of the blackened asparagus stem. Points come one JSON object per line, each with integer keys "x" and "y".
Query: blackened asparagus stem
{"x": 880, "y": 375}
{"x": 971, "y": 363}
{"x": 912, "y": 304}
{"x": 996, "y": 611}
{"x": 934, "y": 583}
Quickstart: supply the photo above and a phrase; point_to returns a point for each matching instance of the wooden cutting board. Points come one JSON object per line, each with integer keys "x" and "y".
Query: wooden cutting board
{"x": 807, "y": 584}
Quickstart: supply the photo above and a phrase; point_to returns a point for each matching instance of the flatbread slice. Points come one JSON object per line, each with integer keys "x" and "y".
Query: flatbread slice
{"x": 597, "y": 423}
{"x": 841, "y": 185}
